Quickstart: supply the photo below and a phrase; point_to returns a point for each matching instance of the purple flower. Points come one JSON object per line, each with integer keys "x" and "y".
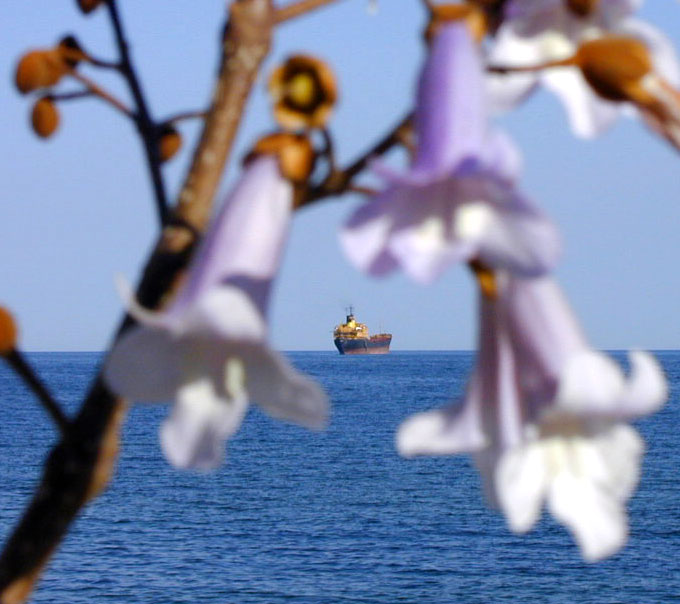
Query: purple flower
{"x": 545, "y": 416}
{"x": 208, "y": 350}
{"x": 457, "y": 202}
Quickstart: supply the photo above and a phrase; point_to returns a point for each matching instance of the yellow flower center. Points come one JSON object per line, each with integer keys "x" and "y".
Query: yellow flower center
{"x": 301, "y": 90}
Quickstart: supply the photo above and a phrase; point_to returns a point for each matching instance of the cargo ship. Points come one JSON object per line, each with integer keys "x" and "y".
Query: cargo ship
{"x": 352, "y": 338}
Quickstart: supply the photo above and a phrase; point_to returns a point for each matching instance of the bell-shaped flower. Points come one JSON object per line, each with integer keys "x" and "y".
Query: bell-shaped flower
{"x": 208, "y": 350}
{"x": 545, "y": 417}
{"x": 457, "y": 201}
{"x": 536, "y": 33}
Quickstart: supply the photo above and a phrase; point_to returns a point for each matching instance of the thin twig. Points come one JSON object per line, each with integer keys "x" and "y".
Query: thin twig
{"x": 185, "y": 115}
{"x": 145, "y": 125}
{"x": 101, "y": 93}
{"x": 297, "y": 9}
{"x": 70, "y": 96}
{"x": 340, "y": 181}
{"x": 17, "y": 361}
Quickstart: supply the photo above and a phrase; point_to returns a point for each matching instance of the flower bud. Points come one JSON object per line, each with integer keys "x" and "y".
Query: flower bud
{"x": 614, "y": 66}
{"x": 8, "y": 332}
{"x": 39, "y": 69}
{"x": 169, "y": 142}
{"x": 471, "y": 14}
{"x": 87, "y": 6}
{"x": 304, "y": 92}
{"x": 45, "y": 117}
{"x": 295, "y": 154}
{"x": 582, "y": 8}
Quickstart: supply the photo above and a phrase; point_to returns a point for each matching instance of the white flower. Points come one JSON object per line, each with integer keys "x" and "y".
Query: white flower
{"x": 535, "y": 33}
{"x": 457, "y": 202}
{"x": 208, "y": 350}
{"x": 545, "y": 418}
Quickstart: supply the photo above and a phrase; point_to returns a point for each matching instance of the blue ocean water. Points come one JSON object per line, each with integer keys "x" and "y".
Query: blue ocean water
{"x": 301, "y": 517}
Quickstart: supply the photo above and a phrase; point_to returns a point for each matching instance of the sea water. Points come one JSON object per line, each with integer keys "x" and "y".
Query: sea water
{"x": 338, "y": 516}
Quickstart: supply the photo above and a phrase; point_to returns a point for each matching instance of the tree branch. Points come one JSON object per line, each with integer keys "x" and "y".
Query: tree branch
{"x": 79, "y": 466}
{"x": 297, "y": 9}
{"x": 340, "y": 181}
{"x": 145, "y": 125}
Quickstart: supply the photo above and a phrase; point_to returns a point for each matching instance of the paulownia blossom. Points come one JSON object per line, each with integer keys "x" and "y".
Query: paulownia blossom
{"x": 208, "y": 351}
{"x": 457, "y": 201}
{"x": 545, "y": 417}
{"x": 539, "y": 32}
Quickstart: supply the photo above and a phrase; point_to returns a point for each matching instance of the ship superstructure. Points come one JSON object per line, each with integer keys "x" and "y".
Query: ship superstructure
{"x": 352, "y": 337}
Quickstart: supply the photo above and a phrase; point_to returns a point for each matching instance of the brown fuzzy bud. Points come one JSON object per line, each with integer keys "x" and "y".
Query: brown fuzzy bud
{"x": 87, "y": 6}
{"x": 304, "y": 91}
{"x": 294, "y": 151}
{"x": 471, "y": 14}
{"x": 39, "y": 69}
{"x": 614, "y": 66}
{"x": 45, "y": 117}
{"x": 582, "y": 8}
{"x": 169, "y": 142}
{"x": 8, "y": 332}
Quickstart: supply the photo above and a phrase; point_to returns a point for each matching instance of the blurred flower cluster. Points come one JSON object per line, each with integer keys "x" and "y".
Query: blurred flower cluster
{"x": 545, "y": 416}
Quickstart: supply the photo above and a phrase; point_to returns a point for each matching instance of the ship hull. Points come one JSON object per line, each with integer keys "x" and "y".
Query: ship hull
{"x": 375, "y": 345}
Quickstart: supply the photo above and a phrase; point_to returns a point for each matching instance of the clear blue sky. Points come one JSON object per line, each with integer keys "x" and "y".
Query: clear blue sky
{"x": 77, "y": 209}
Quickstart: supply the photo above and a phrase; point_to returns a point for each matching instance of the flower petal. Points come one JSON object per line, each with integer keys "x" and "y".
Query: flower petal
{"x": 518, "y": 238}
{"x": 453, "y": 429}
{"x": 451, "y": 109}
{"x": 246, "y": 237}
{"x": 588, "y": 115}
{"x": 145, "y": 364}
{"x": 591, "y": 383}
{"x": 364, "y": 237}
{"x": 597, "y": 520}
{"x": 646, "y": 389}
{"x": 281, "y": 391}
{"x": 521, "y": 481}
{"x": 201, "y": 420}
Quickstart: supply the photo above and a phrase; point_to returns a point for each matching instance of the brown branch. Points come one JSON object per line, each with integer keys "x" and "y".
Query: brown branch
{"x": 297, "y": 9}
{"x": 18, "y": 363}
{"x": 79, "y": 466}
{"x": 185, "y": 115}
{"x": 96, "y": 90}
{"x": 339, "y": 182}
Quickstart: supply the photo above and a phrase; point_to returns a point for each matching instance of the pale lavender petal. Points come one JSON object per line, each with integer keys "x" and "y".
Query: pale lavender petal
{"x": 451, "y": 109}
{"x": 194, "y": 435}
{"x": 519, "y": 238}
{"x": 591, "y": 383}
{"x": 281, "y": 391}
{"x": 501, "y": 157}
{"x": 545, "y": 332}
{"x": 521, "y": 481}
{"x": 621, "y": 449}
{"x": 453, "y": 429}
{"x": 646, "y": 389}
{"x": 224, "y": 313}
{"x": 589, "y": 115}
{"x": 248, "y": 234}
{"x": 597, "y": 520}
{"x": 506, "y": 91}
{"x": 365, "y": 236}
{"x": 145, "y": 365}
